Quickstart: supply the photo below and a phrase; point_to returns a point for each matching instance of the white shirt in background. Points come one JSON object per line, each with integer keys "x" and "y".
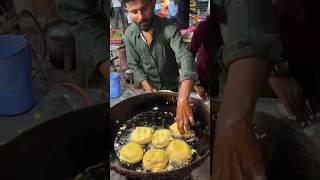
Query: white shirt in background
{"x": 116, "y": 3}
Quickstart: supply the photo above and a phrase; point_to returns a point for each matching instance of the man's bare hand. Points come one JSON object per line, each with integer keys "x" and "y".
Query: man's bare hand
{"x": 147, "y": 87}
{"x": 236, "y": 153}
{"x": 184, "y": 115}
{"x": 292, "y": 96}
{"x": 201, "y": 92}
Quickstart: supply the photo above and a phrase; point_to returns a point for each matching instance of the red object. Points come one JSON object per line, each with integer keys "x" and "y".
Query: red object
{"x": 115, "y": 40}
{"x": 161, "y": 15}
{"x": 202, "y": 44}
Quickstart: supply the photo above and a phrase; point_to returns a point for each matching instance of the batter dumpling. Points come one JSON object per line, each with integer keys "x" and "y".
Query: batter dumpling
{"x": 161, "y": 138}
{"x": 155, "y": 160}
{"x": 179, "y": 151}
{"x": 176, "y": 132}
{"x": 141, "y": 135}
{"x": 131, "y": 153}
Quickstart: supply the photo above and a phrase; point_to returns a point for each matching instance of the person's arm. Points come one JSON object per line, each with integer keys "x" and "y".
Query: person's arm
{"x": 292, "y": 96}
{"x": 88, "y": 23}
{"x": 183, "y": 55}
{"x": 197, "y": 39}
{"x": 184, "y": 112}
{"x": 188, "y": 75}
{"x": 253, "y": 43}
{"x": 235, "y": 146}
{"x": 133, "y": 59}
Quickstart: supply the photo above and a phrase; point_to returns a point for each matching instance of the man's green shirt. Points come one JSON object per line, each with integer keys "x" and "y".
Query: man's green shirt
{"x": 158, "y": 63}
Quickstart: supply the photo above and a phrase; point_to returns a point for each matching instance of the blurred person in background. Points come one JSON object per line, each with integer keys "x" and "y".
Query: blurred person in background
{"x": 207, "y": 65}
{"x": 172, "y": 11}
{"x": 119, "y": 13}
{"x": 89, "y": 25}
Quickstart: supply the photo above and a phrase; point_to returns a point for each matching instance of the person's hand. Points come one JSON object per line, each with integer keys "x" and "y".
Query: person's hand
{"x": 184, "y": 112}
{"x": 291, "y": 95}
{"x": 236, "y": 151}
{"x": 201, "y": 92}
{"x": 147, "y": 87}
{"x": 237, "y": 154}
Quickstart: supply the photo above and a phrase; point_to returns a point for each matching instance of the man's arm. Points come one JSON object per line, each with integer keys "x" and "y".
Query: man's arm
{"x": 252, "y": 42}
{"x": 184, "y": 115}
{"x": 292, "y": 97}
{"x": 88, "y": 23}
{"x": 235, "y": 146}
{"x": 188, "y": 75}
{"x": 183, "y": 55}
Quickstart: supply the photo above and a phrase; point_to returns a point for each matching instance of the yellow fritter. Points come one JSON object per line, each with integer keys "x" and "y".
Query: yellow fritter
{"x": 176, "y": 132}
{"x": 141, "y": 135}
{"x": 161, "y": 138}
{"x": 131, "y": 153}
{"x": 179, "y": 151}
{"x": 155, "y": 160}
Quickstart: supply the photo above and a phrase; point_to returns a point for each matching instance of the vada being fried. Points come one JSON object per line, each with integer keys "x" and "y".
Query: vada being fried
{"x": 141, "y": 135}
{"x": 131, "y": 153}
{"x": 155, "y": 160}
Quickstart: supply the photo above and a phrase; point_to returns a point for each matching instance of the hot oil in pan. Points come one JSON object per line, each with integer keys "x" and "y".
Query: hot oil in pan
{"x": 155, "y": 120}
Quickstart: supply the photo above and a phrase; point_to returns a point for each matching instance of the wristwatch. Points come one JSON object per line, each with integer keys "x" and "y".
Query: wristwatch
{"x": 197, "y": 83}
{"x": 281, "y": 68}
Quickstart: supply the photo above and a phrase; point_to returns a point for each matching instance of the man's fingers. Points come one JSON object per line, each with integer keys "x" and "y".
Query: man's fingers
{"x": 306, "y": 113}
{"x": 307, "y": 102}
{"x": 301, "y": 107}
{"x": 289, "y": 109}
{"x": 186, "y": 123}
{"x": 305, "y": 107}
{"x": 180, "y": 125}
{"x": 191, "y": 120}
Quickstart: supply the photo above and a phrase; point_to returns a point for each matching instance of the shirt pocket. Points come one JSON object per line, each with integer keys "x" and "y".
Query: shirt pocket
{"x": 147, "y": 62}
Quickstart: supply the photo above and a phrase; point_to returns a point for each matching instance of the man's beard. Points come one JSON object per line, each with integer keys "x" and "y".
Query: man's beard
{"x": 146, "y": 25}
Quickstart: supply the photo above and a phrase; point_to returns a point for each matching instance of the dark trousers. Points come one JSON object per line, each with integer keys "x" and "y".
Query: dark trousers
{"x": 119, "y": 13}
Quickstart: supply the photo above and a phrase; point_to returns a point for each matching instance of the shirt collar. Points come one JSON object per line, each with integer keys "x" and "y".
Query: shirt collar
{"x": 154, "y": 25}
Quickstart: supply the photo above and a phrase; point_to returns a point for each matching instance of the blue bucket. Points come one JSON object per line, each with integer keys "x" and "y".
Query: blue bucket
{"x": 115, "y": 89}
{"x": 17, "y": 94}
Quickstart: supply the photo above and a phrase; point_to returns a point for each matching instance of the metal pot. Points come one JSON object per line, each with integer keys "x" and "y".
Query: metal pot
{"x": 160, "y": 101}
{"x": 59, "y": 148}
{"x": 288, "y": 152}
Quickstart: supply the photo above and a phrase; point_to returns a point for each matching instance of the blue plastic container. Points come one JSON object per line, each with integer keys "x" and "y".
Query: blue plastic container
{"x": 115, "y": 89}
{"x": 17, "y": 94}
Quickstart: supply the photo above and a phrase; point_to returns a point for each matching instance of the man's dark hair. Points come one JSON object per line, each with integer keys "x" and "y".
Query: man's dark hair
{"x": 123, "y": 2}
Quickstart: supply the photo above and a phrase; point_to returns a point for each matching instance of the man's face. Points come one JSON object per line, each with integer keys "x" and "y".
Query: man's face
{"x": 141, "y": 12}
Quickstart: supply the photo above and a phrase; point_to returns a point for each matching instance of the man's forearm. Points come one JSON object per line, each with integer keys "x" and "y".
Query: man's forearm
{"x": 245, "y": 79}
{"x": 185, "y": 89}
{"x": 235, "y": 145}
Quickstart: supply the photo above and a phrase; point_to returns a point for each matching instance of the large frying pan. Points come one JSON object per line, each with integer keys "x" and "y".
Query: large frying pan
{"x": 58, "y": 149}
{"x": 160, "y": 101}
{"x": 288, "y": 152}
